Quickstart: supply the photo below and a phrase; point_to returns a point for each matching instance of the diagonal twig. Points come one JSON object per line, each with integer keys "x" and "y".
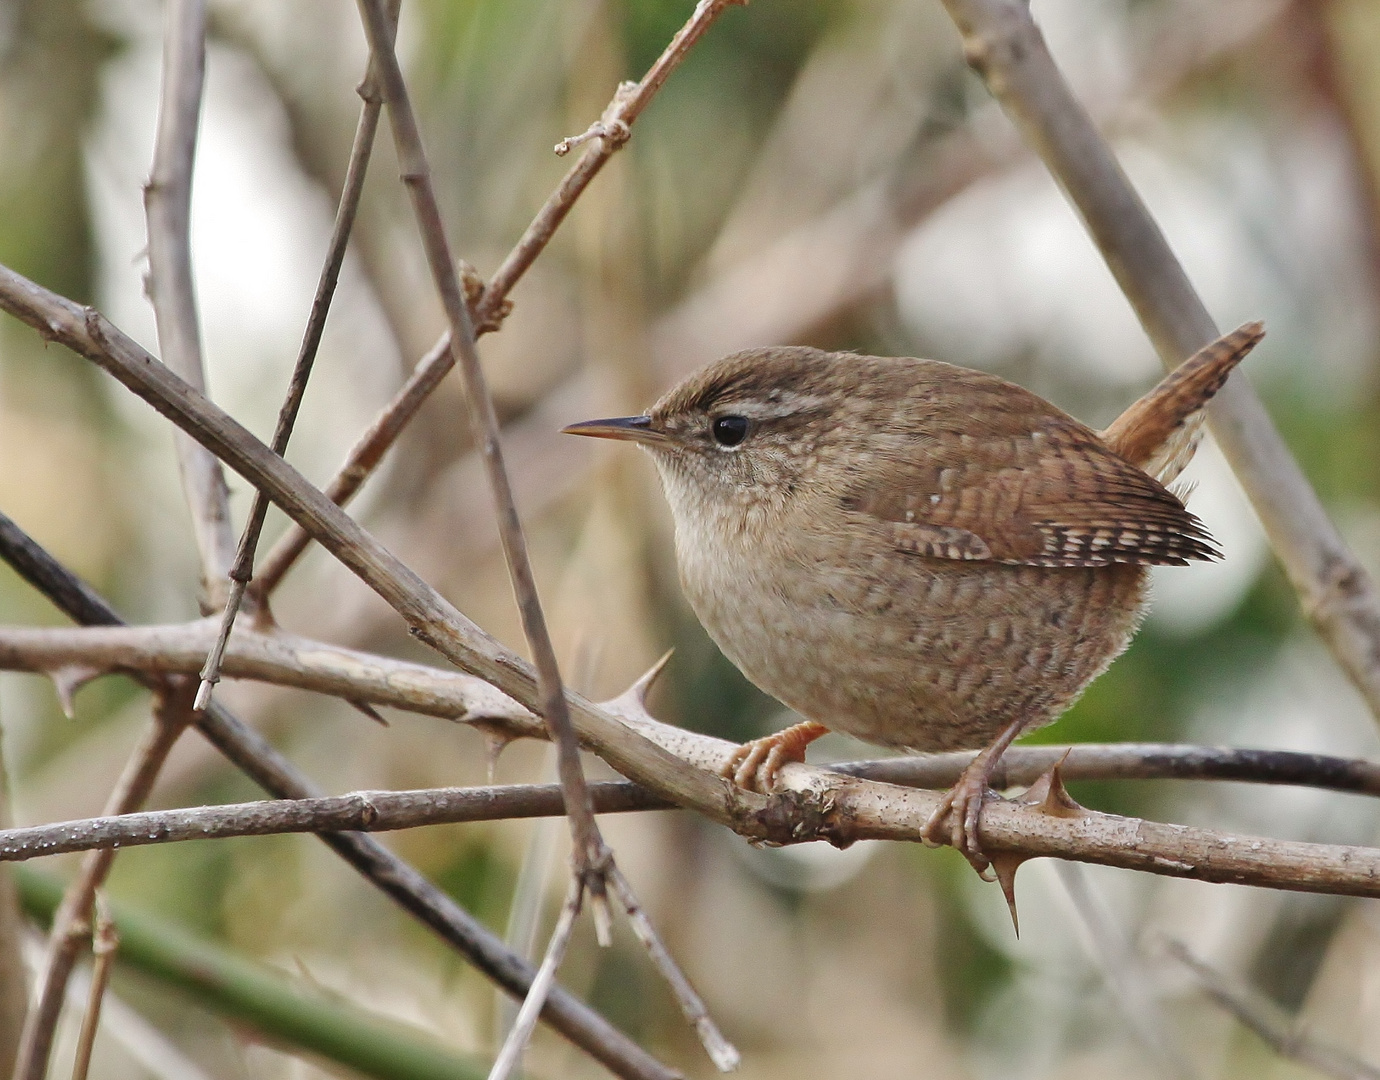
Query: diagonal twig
{"x": 492, "y": 305}
{"x": 1005, "y": 46}
{"x": 526, "y": 1021}
{"x": 351, "y": 190}
{"x": 1285, "y": 1035}
{"x": 397, "y": 879}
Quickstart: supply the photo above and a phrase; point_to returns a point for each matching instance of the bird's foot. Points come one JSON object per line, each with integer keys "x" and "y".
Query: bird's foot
{"x": 756, "y": 765}
{"x": 955, "y": 820}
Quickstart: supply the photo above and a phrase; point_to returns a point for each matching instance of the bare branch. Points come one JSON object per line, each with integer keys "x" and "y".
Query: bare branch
{"x": 284, "y": 659}
{"x": 397, "y": 879}
{"x": 168, "y": 205}
{"x": 1004, "y": 45}
{"x": 825, "y": 805}
{"x": 817, "y": 803}
{"x": 351, "y": 191}
{"x": 492, "y": 305}
{"x": 1283, "y": 1034}
{"x": 359, "y": 811}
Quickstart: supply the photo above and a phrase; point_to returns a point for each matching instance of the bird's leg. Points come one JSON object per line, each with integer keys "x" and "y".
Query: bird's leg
{"x": 755, "y": 764}
{"x": 962, "y": 803}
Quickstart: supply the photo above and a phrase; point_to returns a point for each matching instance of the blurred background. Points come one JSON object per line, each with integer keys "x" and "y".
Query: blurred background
{"x": 824, "y": 172}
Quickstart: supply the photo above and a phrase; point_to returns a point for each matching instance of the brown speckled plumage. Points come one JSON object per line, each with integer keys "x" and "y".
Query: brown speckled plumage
{"x": 915, "y": 553}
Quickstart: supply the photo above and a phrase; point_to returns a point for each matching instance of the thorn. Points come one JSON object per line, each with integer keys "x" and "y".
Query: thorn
{"x": 496, "y": 740}
{"x": 369, "y": 711}
{"x": 1005, "y": 865}
{"x": 1049, "y": 796}
{"x": 67, "y": 680}
{"x": 634, "y": 699}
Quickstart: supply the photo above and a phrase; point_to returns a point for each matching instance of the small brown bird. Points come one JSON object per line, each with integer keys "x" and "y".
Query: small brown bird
{"x": 920, "y": 555}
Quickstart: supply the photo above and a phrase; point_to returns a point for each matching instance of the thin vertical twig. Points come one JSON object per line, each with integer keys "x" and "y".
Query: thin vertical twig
{"x": 72, "y": 923}
{"x": 105, "y": 940}
{"x": 14, "y": 993}
{"x": 591, "y": 855}
{"x": 1004, "y": 45}
{"x": 615, "y": 128}
{"x": 170, "y": 286}
{"x": 351, "y": 191}
{"x": 400, "y": 881}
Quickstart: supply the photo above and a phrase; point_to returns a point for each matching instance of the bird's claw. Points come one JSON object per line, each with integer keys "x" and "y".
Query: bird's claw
{"x": 756, "y": 765}
{"x": 955, "y": 821}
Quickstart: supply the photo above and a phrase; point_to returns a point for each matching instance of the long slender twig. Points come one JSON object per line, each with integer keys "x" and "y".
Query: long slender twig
{"x": 815, "y": 803}
{"x": 1005, "y": 46}
{"x": 105, "y": 940}
{"x": 1281, "y": 1032}
{"x": 351, "y": 190}
{"x": 591, "y": 854}
{"x": 627, "y": 105}
{"x": 168, "y": 207}
{"x": 359, "y": 811}
{"x": 381, "y": 811}
{"x": 72, "y": 923}
{"x": 397, "y": 879}
{"x": 721, "y": 1052}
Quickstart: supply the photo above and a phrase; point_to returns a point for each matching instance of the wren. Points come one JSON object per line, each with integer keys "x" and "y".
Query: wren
{"x": 921, "y": 555}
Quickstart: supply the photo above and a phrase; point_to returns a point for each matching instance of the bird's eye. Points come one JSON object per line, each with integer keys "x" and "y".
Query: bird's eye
{"x": 729, "y": 430}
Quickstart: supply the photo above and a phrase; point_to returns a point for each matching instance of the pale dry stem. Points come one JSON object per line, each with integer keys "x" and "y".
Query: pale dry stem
{"x": 105, "y": 940}
{"x": 521, "y": 1031}
{"x": 1276, "y": 1028}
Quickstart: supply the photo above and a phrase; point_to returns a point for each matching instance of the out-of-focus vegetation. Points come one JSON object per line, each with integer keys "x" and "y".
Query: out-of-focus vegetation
{"x": 1253, "y": 129}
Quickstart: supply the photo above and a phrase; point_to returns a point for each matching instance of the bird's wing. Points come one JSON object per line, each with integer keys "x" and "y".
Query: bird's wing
{"x": 1002, "y": 475}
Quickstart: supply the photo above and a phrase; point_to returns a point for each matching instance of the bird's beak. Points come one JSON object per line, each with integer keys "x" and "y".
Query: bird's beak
{"x": 631, "y": 428}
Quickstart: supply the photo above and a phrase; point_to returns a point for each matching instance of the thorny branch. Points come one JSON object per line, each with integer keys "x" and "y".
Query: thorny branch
{"x": 1005, "y": 46}
{"x": 284, "y": 659}
{"x": 246, "y": 749}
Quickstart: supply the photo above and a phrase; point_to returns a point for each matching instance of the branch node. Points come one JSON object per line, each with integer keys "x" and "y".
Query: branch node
{"x": 615, "y": 132}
